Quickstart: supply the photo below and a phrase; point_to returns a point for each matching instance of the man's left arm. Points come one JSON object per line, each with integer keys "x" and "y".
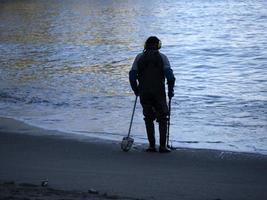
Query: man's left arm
{"x": 168, "y": 73}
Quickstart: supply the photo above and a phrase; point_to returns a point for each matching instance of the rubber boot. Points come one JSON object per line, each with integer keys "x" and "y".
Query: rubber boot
{"x": 162, "y": 135}
{"x": 150, "y": 130}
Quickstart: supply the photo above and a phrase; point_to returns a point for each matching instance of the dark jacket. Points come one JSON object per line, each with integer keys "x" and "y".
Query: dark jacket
{"x": 150, "y": 69}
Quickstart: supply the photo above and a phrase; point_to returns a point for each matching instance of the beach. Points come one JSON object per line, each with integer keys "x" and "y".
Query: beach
{"x": 75, "y": 166}
{"x": 66, "y": 101}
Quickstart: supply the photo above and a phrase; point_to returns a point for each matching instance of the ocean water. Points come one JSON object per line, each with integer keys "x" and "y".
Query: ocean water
{"x": 64, "y": 66}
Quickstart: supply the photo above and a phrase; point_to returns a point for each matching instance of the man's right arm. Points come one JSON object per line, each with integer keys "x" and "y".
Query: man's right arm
{"x": 133, "y": 75}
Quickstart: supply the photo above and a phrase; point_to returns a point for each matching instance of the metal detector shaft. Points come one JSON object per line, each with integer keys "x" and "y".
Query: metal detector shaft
{"x": 132, "y": 116}
{"x": 169, "y": 122}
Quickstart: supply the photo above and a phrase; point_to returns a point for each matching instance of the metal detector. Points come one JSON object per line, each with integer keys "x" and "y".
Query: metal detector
{"x": 168, "y": 129}
{"x": 127, "y": 141}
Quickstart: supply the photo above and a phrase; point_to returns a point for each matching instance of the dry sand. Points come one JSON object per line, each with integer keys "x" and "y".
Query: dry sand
{"x": 72, "y": 167}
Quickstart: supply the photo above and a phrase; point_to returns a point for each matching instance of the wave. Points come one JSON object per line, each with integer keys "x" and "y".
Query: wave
{"x": 196, "y": 142}
{"x": 7, "y": 97}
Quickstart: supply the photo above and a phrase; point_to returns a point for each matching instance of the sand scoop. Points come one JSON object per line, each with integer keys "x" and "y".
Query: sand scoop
{"x": 128, "y": 141}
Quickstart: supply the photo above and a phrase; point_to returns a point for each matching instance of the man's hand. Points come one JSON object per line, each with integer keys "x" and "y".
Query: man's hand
{"x": 170, "y": 94}
{"x": 136, "y": 92}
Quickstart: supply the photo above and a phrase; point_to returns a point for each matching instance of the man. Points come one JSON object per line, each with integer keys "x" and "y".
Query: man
{"x": 147, "y": 79}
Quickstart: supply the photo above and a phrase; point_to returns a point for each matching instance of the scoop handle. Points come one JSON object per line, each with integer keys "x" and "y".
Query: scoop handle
{"x": 132, "y": 116}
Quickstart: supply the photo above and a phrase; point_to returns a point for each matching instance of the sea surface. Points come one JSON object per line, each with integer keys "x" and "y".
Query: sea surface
{"x": 64, "y": 66}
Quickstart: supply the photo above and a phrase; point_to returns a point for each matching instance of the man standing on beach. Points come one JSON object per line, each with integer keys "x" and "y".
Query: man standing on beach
{"x": 147, "y": 79}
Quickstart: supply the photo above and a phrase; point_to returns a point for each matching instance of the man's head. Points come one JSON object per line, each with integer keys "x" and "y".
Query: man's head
{"x": 152, "y": 43}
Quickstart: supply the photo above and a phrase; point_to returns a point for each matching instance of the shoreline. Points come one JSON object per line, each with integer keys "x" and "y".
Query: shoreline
{"x": 30, "y": 154}
{"x": 30, "y": 129}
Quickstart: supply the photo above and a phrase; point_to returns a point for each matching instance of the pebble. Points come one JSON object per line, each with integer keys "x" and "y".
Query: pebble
{"x": 93, "y": 191}
{"x": 44, "y": 183}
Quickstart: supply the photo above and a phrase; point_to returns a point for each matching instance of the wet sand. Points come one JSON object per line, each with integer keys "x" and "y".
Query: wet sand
{"x": 75, "y": 166}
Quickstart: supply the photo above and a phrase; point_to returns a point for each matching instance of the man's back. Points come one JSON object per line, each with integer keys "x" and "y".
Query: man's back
{"x": 150, "y": 73}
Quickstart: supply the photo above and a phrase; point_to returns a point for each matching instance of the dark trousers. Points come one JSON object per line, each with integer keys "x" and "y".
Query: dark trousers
{"x": 155, "y": 108}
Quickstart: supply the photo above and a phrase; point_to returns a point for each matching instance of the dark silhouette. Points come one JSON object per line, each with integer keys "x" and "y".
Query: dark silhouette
{"x": 147, "y": 79}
